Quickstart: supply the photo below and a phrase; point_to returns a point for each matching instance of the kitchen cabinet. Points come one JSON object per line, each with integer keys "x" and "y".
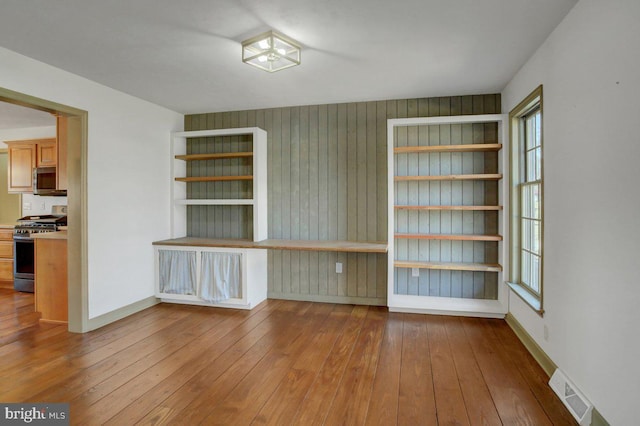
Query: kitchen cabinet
{"x": 47, "y": 153}
{"x": 22, "y": 160}
{"x": 51, "y": 294}
{"x": 6, "y": 257}
{"x": 24, "y": 156}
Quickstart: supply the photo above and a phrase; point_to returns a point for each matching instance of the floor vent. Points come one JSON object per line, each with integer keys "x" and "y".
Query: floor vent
{"x": 577, "y": 404}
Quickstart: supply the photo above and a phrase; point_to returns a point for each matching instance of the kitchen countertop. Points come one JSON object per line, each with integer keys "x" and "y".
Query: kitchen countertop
{"x": 58, "y": 235}
{"x": 7, "y": 226}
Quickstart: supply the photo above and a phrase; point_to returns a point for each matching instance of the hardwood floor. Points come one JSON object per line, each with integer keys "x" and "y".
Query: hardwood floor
{"x": 282, "y": 363}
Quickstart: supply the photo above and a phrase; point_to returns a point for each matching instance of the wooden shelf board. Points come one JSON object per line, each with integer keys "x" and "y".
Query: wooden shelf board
{"x": 214, "y": 156}
{"x": 209, "y": 202}
{"x": 479, "y": 147}
{"x": 325, "y": 245}
{"x": 212, "y": 178}
{"x": 470, "y": 208}
{"x": 486, "y": 176}
{"x": 452, "y": 237}
{"x": 450, "y": 266}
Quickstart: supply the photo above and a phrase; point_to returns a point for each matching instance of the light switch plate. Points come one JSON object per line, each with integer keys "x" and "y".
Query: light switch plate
{"x": 338, "y": 268}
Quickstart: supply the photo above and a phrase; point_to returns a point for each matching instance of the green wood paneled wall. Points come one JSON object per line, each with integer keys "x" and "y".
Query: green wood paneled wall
{"x": 327, "y": 168}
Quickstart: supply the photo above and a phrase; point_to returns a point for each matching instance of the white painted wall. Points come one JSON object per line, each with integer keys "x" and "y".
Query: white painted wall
{"x": 128, "y": 175}
{"x": 590, "y": 69}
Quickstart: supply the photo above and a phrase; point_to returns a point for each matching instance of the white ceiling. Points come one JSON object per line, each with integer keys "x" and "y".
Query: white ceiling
{"x": 186, "y": 55}
{"x": 18, "y": 117}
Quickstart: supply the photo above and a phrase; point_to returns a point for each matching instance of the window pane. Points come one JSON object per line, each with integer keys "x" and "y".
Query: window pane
{"x": 535, "y": 202}
{"x": 533, "y": 130}
{"x": 538, "y": 163}
{"x": 526, "y": 201}
{"x": 531, "y": 166}
{"x": 535, "y": 239}
{"x": 526, "y": 234}
{"x": 535, "y": 274}
{"x": 538, "y": 128}
{"x": 529, "y": 133}
{"x": 525, "y": 269}
{"x": 531, "y": 202}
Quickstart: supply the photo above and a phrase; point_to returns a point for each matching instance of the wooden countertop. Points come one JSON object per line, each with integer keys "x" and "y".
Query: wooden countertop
{"x": 207, "y": 242}
{"x": 58, "y": 235}
{"x": 305, "y": 245}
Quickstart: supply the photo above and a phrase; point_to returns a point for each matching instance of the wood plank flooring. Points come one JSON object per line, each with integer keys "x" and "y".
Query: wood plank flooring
{"x": 282, "y": 363}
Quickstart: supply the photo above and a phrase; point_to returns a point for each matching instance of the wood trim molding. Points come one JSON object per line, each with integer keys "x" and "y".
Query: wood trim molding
{"x": 118, "y": 314}
{"x": 534, "y": 349}
{"x": 348, "y": 300}
{"x": 543, "y": 359}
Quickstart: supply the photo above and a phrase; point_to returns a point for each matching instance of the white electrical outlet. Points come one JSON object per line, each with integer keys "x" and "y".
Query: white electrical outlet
{"x": 415, "y": 272}
{"x": 26, "y": 206}
{"x": 42, "y": 206}
{"x": 338, "y": 268}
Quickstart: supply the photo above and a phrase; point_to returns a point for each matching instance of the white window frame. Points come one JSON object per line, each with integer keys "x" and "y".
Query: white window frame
{"x": 518, "y": 181}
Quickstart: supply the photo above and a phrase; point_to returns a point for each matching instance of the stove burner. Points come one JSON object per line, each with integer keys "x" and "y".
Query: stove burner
{"x": 37, "y": 224}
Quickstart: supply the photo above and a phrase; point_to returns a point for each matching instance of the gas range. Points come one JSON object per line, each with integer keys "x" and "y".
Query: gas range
{"x": 29, "y": 225}
{"x": 23, "y": 244}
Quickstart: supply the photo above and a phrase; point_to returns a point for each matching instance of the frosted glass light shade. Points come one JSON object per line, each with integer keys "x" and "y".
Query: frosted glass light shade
{"x": 271, "y": 52}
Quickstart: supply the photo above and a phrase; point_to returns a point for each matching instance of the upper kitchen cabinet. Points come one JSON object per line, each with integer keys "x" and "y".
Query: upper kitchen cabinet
{"x": 22, "y": 160}
{"x": 47, "y": 153}
{"x": 24, "y": 156}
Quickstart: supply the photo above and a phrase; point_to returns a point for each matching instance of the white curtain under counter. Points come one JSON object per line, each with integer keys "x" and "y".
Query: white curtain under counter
{"x": 213, "y": 276}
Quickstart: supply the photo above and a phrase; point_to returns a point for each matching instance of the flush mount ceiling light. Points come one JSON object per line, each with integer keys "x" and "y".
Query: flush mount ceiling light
{"x": 271, "y": 52}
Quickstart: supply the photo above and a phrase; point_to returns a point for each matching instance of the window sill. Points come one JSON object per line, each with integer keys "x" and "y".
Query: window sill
{"x": 528, "y": 298}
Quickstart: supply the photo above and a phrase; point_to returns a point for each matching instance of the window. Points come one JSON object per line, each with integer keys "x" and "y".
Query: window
{"x": 527, "y": 200}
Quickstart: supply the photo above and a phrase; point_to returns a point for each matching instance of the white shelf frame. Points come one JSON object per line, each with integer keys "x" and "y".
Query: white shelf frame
{"x": 179, "y": 201}
{"x": 449, "y": 305}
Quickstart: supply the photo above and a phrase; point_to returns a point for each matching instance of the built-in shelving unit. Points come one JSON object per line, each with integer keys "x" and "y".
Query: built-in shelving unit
{"x": 446, "y": 221}
{"x": 219, "y": 214}
{"x": 212, "y": 169}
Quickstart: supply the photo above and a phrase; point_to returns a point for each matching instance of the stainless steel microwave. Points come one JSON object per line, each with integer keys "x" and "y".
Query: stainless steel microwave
{"x": 44, "y": 182}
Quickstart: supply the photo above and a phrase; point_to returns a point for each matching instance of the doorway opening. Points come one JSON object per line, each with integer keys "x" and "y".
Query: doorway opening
{"x": 76, "y": 168}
